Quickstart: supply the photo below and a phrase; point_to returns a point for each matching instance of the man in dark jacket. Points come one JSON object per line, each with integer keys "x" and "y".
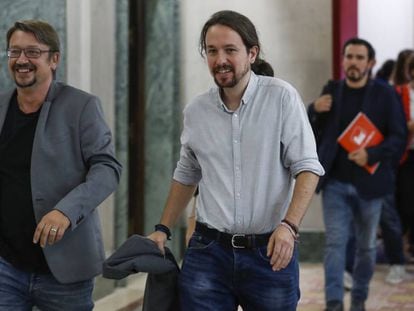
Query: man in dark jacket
{"x": 352, "y": 195}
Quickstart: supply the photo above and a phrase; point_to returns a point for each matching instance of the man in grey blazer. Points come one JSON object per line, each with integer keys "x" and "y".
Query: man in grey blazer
{"x": 57, "y": 165}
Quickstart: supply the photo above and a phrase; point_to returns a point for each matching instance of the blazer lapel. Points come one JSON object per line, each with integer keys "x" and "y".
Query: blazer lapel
{"x": 4, "y": 105}
{"x": 337, "y": 97}
{"x": 44, "y": 113}
{"x": 367, "y": 97}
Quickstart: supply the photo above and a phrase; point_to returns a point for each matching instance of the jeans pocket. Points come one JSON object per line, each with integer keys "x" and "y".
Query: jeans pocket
{"x": 198, "y": 242}
{"x": 262, "y": 252}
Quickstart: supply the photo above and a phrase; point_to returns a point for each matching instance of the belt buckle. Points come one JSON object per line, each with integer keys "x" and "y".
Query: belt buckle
{"x": 233, "y": 240}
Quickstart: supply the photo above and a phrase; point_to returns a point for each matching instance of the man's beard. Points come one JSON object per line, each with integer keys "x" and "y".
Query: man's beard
{"x": 355, "y": 77}
{"x": 24, "y": 66}
{"x": 234, "y": 81}
{"x": 28, "y": 84}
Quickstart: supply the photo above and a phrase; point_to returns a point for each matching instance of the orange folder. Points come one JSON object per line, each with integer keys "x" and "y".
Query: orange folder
{"x": 361, "y": 133}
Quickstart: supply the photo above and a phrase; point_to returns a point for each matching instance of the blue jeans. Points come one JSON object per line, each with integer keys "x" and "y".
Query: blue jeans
{"x": 350, "y": 251}
{"x": 342, "y": 207}
{"x": 390, "y": 225}
{"x": 21, "y": 291}
{"x": 214, "y": 278}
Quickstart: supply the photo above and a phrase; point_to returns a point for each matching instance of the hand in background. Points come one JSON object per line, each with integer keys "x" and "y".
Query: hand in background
{"x": 323, "y": 103}
{"x": 360, "y": 157}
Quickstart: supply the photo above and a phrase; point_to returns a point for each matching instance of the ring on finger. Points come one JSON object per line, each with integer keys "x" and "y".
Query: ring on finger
{"x": 53, "y": 229}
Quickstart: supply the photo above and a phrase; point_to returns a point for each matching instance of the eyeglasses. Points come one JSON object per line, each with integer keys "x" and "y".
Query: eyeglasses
{"x": 29, "y": 52}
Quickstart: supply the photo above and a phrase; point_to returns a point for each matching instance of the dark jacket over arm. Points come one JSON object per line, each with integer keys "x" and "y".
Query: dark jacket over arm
{"x": 140, "y": 254}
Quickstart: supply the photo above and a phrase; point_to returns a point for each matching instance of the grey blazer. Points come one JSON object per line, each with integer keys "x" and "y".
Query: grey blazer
{"x": 73, "y": 169}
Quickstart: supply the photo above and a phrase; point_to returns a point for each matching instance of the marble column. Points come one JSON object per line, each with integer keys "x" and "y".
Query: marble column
{"x": 121, "y": 122}
{"x": 162, "y": 110}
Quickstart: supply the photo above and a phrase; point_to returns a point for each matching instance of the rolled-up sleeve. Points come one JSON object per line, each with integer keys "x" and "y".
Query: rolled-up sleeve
{"x": 298, "y": 142}
{"x": 188, "y": 171}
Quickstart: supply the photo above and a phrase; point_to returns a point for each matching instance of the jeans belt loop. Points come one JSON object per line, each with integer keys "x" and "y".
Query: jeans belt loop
{"x": 233, "y": 241}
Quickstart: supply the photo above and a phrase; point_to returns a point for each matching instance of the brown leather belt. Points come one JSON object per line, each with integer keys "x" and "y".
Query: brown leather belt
{"x": 230, "y": 240}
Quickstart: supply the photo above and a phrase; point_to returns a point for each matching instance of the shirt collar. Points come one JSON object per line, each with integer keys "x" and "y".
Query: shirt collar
{"x": 251, "y": 88}
{"x": 248, "y": 93}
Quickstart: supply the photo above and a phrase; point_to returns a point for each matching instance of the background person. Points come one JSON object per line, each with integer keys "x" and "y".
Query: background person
{"x": 405, "y": 181}
{"x": 390, "y": 224}
{"x": 351, "y": 195}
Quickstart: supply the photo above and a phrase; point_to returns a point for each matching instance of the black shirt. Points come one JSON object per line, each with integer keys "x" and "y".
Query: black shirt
{"x": 342, "y": 168}
{"x": 17, "y": 220}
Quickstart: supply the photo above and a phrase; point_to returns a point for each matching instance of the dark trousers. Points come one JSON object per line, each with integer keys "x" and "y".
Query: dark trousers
{"x": 405, "y": 196}
{"x": 391, "y": 229}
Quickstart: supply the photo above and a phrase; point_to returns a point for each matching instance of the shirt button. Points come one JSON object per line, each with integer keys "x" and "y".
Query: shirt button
{"x": 238, "y": 194}
{"x": 235, "y": 141}
{"x": 235, "y": 115}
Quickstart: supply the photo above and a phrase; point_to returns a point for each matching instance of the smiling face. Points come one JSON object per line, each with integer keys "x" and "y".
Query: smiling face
{"x": 228, "y": 59}
{"x": 31, "y": 72}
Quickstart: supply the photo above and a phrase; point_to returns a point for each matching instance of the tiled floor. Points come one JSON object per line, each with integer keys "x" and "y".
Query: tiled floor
{"x": 382, "y": 297}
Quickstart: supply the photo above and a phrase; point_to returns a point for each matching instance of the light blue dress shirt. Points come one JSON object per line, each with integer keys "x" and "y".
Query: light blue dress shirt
{"x": 245, "y": 161}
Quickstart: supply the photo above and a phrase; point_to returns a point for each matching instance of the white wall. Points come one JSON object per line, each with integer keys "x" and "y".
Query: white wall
{"x": 79, "y": 44}
{"x": 387, "y": 25}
